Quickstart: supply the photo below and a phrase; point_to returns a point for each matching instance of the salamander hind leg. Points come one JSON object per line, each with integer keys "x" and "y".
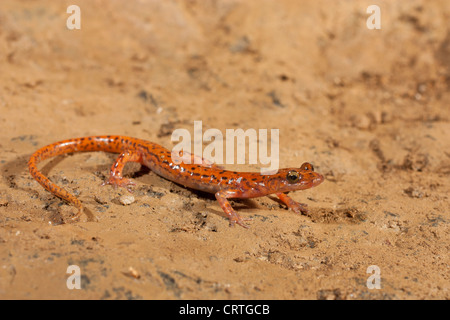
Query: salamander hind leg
{"x": 115, "y": 177}
{"x": 117, "y": 181}
{"x": 234, "y": 218}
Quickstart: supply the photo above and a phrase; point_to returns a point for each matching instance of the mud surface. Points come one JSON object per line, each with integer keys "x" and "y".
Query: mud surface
{"x": 369, "y": 108}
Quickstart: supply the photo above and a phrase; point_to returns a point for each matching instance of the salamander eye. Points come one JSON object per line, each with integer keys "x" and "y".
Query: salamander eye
{"x": 307, "y": 167}
{"x": 293, "y": 176}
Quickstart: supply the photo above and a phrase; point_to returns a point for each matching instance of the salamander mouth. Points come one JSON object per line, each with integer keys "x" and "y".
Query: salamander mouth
{"x": 314, "y": 179}
{"x": 317, "y": 180}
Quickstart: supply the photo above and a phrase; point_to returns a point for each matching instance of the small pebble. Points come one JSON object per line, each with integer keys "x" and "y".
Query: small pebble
{"x": 126, "y": 199}
{"x": 131, "y": 272}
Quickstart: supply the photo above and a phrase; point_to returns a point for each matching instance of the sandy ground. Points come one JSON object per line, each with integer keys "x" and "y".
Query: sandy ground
{"x": 369, "y": 108}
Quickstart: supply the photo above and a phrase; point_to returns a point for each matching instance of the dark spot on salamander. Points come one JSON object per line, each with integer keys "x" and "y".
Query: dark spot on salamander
{"x": 204, "y": 176}
{"x": 196, "y": 174}
{"x": 213, "y": 177}
{"x": 254, "y": 179}
{"x": 223, "y": 178}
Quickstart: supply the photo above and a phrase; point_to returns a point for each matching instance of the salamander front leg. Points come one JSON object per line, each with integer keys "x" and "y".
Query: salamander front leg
{"x": 297, "y": 207}
{"x": 115, "y": 178}
{"x": 221, "y": 197}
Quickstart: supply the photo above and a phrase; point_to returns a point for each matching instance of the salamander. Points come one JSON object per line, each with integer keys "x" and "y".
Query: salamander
{"x": 205, "y": 176}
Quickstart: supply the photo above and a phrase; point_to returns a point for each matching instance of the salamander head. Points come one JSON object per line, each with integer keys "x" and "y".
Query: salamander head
{"x": 297, "y": 178}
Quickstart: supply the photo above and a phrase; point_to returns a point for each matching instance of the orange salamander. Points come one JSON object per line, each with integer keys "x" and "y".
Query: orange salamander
{"x": 206, "y": 177}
